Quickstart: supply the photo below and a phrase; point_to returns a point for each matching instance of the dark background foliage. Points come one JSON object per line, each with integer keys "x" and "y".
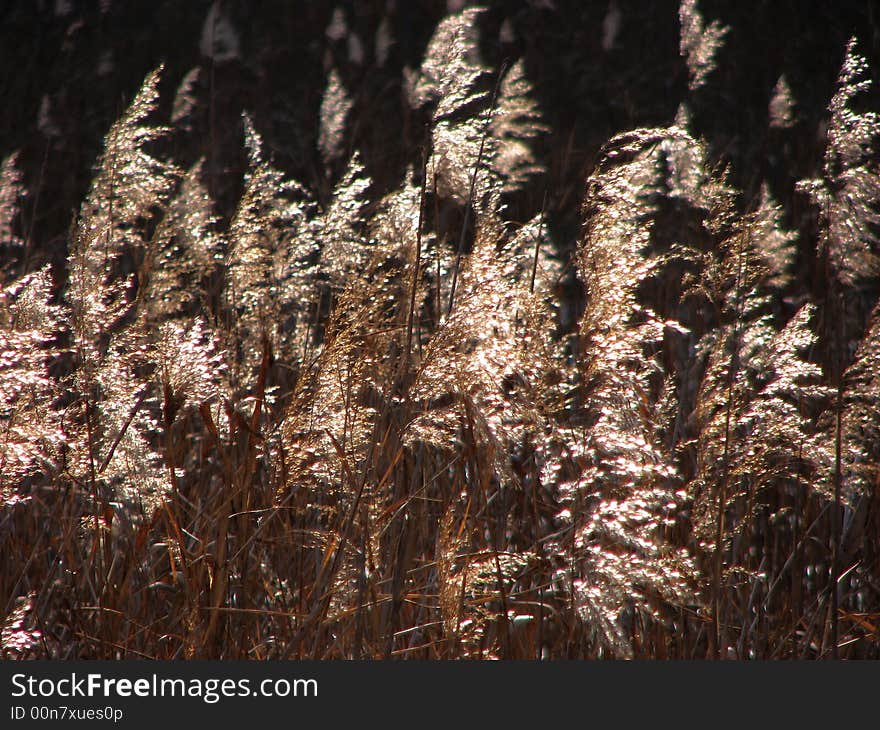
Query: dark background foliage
{"x": 88, "y": 58}
{"x": 661, "y": 442}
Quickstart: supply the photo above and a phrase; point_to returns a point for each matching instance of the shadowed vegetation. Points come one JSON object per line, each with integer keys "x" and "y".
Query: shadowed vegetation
{"x": 394, "y": 410}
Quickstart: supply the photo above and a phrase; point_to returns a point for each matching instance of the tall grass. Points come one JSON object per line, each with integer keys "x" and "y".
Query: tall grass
{"x": 336, "y": 425}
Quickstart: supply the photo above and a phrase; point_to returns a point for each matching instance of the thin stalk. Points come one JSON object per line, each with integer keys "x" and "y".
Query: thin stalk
{"x": 121, "y": 434}
{"x": 29, "y": 236}
{"x": 473, "y": 186}
{"x": 538, "y": 245}
{"x": 414, "y": 284}
{"x": 718, "y": 562}
{"x": 838, "y": 479}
